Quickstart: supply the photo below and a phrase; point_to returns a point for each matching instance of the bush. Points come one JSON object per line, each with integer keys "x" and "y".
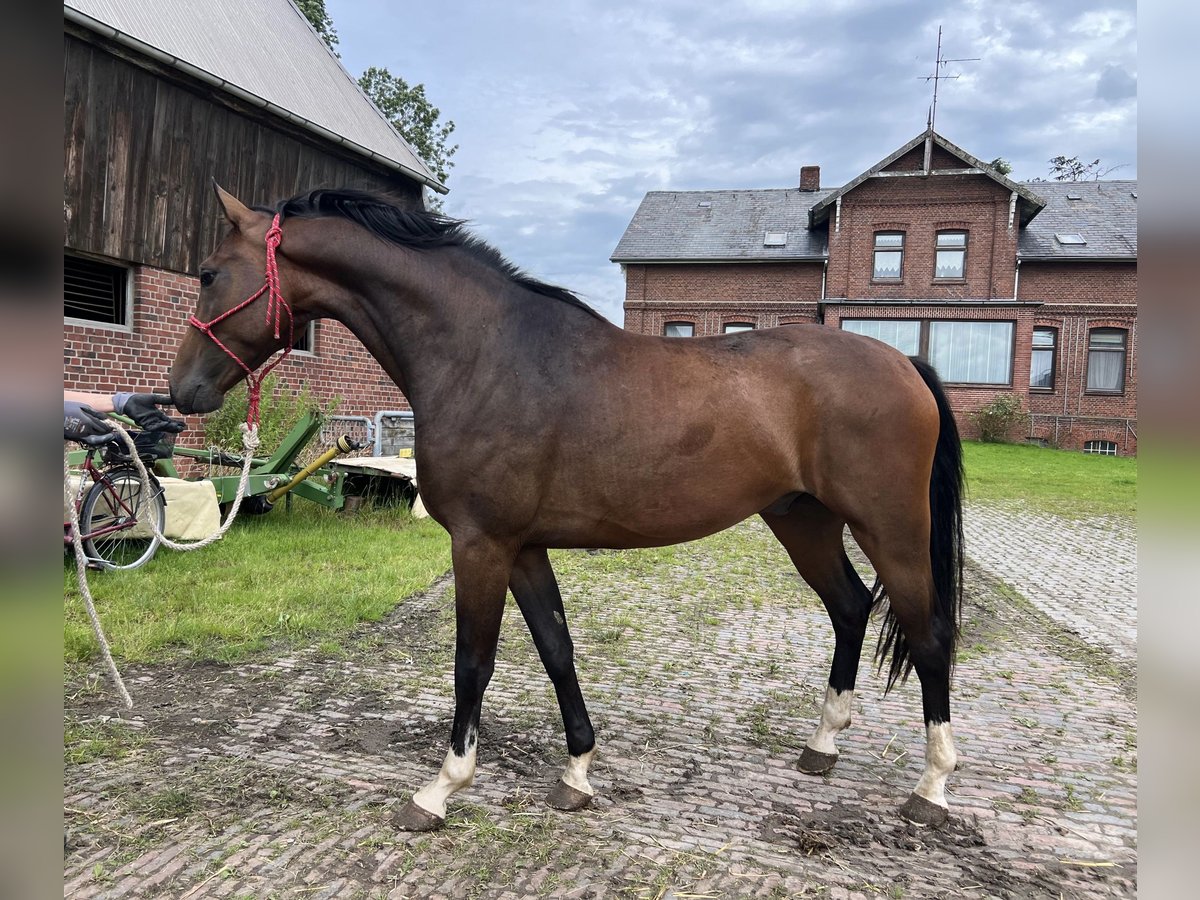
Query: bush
{"x": 278, "y": 412}
{"x": 999, "y": 419}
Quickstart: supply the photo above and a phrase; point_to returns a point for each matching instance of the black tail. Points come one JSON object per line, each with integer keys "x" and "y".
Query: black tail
{"x": 945, "y": 541}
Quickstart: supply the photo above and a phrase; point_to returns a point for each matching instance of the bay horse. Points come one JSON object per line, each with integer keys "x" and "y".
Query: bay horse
{"x": 530, "y": 408}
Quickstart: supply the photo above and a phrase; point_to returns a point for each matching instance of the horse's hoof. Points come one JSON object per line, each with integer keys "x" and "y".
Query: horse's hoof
{"x": 563, "y": 796}
{"x": 920, "y": 811}
{"x": 413, "y": 818}
{"x": 814, "y": 762}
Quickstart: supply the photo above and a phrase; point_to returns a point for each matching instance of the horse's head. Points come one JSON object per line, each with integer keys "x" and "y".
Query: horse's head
{"x": 203, "y": 372}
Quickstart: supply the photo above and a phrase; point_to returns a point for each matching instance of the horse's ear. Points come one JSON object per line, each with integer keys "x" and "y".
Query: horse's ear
{"x": 239, "y": 215}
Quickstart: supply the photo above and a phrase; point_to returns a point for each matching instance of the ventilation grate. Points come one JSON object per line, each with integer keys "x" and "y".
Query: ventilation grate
{"x": 95, "y": 291}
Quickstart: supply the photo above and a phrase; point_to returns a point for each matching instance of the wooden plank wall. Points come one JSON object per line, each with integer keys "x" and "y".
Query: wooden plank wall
{"x": 141, "y": 152}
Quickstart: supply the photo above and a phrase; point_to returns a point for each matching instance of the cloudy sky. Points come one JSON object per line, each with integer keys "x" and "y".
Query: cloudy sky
{"x": 567, "y": 113}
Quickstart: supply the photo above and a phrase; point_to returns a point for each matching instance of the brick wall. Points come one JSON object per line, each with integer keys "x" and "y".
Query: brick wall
{"x": 1067, "y": 416}
{"x": 920, "y": 207}
{"x": 709, "y": 296}
{"x": 1078, "y": 297}
{"x": 107, "y": 358}
{"x": 1093, "y": 283}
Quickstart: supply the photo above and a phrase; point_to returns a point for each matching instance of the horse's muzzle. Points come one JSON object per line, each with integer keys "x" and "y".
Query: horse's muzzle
{"x": 196, "y": 397}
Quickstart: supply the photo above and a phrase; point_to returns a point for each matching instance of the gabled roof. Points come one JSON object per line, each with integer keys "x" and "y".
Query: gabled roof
{"x": 1103, "y": 213}
{"x": 722, "y": 226}
{"x": 265, "y": 53}
{"x": 1029, "y": 202}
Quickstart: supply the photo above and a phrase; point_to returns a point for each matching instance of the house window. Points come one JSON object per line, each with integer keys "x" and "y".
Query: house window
{"x": 95, "y": 291}
{"x": 889, "y": 255}
{"x": 1106, "y": 360}
{"x": 904, "y": 336}
{"x": 679, "y": 329}
{"x": 972, "y": 352}
{"x": 1101, "y": 448}
{"x": 951, "y": 255}
{"x": 1042, "y": 363}
{"x": 306, "y": 340}
{"x": 962, "y": 352}
{"x": 734, "y": 327}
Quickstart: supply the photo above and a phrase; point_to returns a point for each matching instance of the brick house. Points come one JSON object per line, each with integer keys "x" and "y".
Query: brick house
{"x": 1006, "y": 287}
{"x": 160, "y": 100}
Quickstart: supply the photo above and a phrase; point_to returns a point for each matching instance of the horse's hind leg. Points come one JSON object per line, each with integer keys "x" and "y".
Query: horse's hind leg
{"x": 812, "y": 536}
{"x": 481, "y": 569}
{"x": 901, "y": 559}
{"x": 536, "y": 591}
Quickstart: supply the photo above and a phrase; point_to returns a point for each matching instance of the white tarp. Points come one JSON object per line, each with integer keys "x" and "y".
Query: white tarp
{"x": 192, "y": 509}
{"x": 388, "y": 465}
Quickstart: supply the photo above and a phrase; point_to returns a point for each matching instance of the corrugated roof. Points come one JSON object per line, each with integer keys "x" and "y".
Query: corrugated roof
{"x": 722, "y": 226}
{"x": 268, "y": 49}
{"x": 1105, "y": 215}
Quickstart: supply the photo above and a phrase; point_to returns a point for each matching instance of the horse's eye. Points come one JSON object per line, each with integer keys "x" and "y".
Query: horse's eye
{"x": 206, "y": 278}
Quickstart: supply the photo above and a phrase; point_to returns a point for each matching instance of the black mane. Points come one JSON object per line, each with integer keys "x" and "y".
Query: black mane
{"x": 416, "y": 230}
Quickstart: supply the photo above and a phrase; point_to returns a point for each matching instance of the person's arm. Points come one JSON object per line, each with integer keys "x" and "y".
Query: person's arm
{"x": 142, "y": 408}
{"x": 102, "y": 403}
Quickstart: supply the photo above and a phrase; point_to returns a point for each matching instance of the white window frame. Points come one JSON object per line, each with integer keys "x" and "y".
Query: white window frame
{"x": 311, "y": 330}
{"x": 877, "y": 249}
{"x": 127, "y": 326}
{"x": 691, "y": 325}
{"x": 1100, "y": 448}
{"x": 938, "y": 250}
{"x": 1123, "y": 350}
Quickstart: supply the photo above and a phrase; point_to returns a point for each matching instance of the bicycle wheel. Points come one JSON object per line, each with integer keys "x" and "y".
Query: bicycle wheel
{"x": 116, "y": 533}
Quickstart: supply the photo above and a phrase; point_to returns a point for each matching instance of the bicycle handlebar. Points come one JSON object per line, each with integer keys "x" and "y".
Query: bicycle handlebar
{"x": 112, "y": 437}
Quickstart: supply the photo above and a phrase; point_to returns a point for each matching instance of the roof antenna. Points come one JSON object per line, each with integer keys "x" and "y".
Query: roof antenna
{"x": 935, "y": 78}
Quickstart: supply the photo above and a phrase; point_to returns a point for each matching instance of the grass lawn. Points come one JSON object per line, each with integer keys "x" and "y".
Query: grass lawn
{"x": 274, "y": 581}
{"x": 1063, "y": 482}
{"x": 310, "y": 576}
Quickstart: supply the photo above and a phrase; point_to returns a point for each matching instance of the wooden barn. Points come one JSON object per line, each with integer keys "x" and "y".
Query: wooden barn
{"x": 160, "y": 100}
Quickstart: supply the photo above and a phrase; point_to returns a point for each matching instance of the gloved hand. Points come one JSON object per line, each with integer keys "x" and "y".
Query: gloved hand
{"x": 80, "y": 420}
{"x": 143, "y": 409}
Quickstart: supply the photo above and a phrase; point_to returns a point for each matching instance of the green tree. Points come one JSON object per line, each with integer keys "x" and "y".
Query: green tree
{"x": 405, "y": 107}
{"x": 411, "y": 114}
{"x": 1001, "y": 165}
{"x": 314, "y": 11}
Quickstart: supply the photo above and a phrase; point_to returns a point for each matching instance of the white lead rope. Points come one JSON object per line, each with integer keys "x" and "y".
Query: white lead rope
{"x": 250, "y": 443}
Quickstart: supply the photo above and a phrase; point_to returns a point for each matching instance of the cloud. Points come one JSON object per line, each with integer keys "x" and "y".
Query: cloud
{"x": 568, "y": 113}
{"x": 1116, "y": 84}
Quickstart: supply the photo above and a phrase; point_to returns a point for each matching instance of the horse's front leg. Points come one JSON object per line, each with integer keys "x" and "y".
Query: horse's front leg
{"x": 481, "y": 571}
{"x": 534, "y": 586}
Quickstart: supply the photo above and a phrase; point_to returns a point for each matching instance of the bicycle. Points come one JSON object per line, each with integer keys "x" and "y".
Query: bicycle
{"x": 114, "y": 520}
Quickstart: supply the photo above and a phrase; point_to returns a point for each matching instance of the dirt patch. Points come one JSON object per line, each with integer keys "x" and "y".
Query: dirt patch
{"x": 887, "y": 842}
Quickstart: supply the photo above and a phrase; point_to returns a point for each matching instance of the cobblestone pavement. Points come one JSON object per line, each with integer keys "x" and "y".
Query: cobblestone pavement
{"x": 1083, "y": 575}
{"x": 703, "y": 667}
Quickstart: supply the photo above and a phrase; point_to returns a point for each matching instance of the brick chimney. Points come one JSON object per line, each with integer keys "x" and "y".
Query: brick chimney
{"x": 810, "y": 178}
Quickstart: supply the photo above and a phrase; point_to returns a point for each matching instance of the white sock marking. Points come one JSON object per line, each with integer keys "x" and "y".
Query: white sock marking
{"x": 835, "y": 716}
{"x": 940, "y": 759}
{"x": 457, "y": 773}
{"x": 576, "y": 772}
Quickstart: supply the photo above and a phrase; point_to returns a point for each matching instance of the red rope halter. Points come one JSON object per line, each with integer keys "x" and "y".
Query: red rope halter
{"x": 275, "y": 307}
